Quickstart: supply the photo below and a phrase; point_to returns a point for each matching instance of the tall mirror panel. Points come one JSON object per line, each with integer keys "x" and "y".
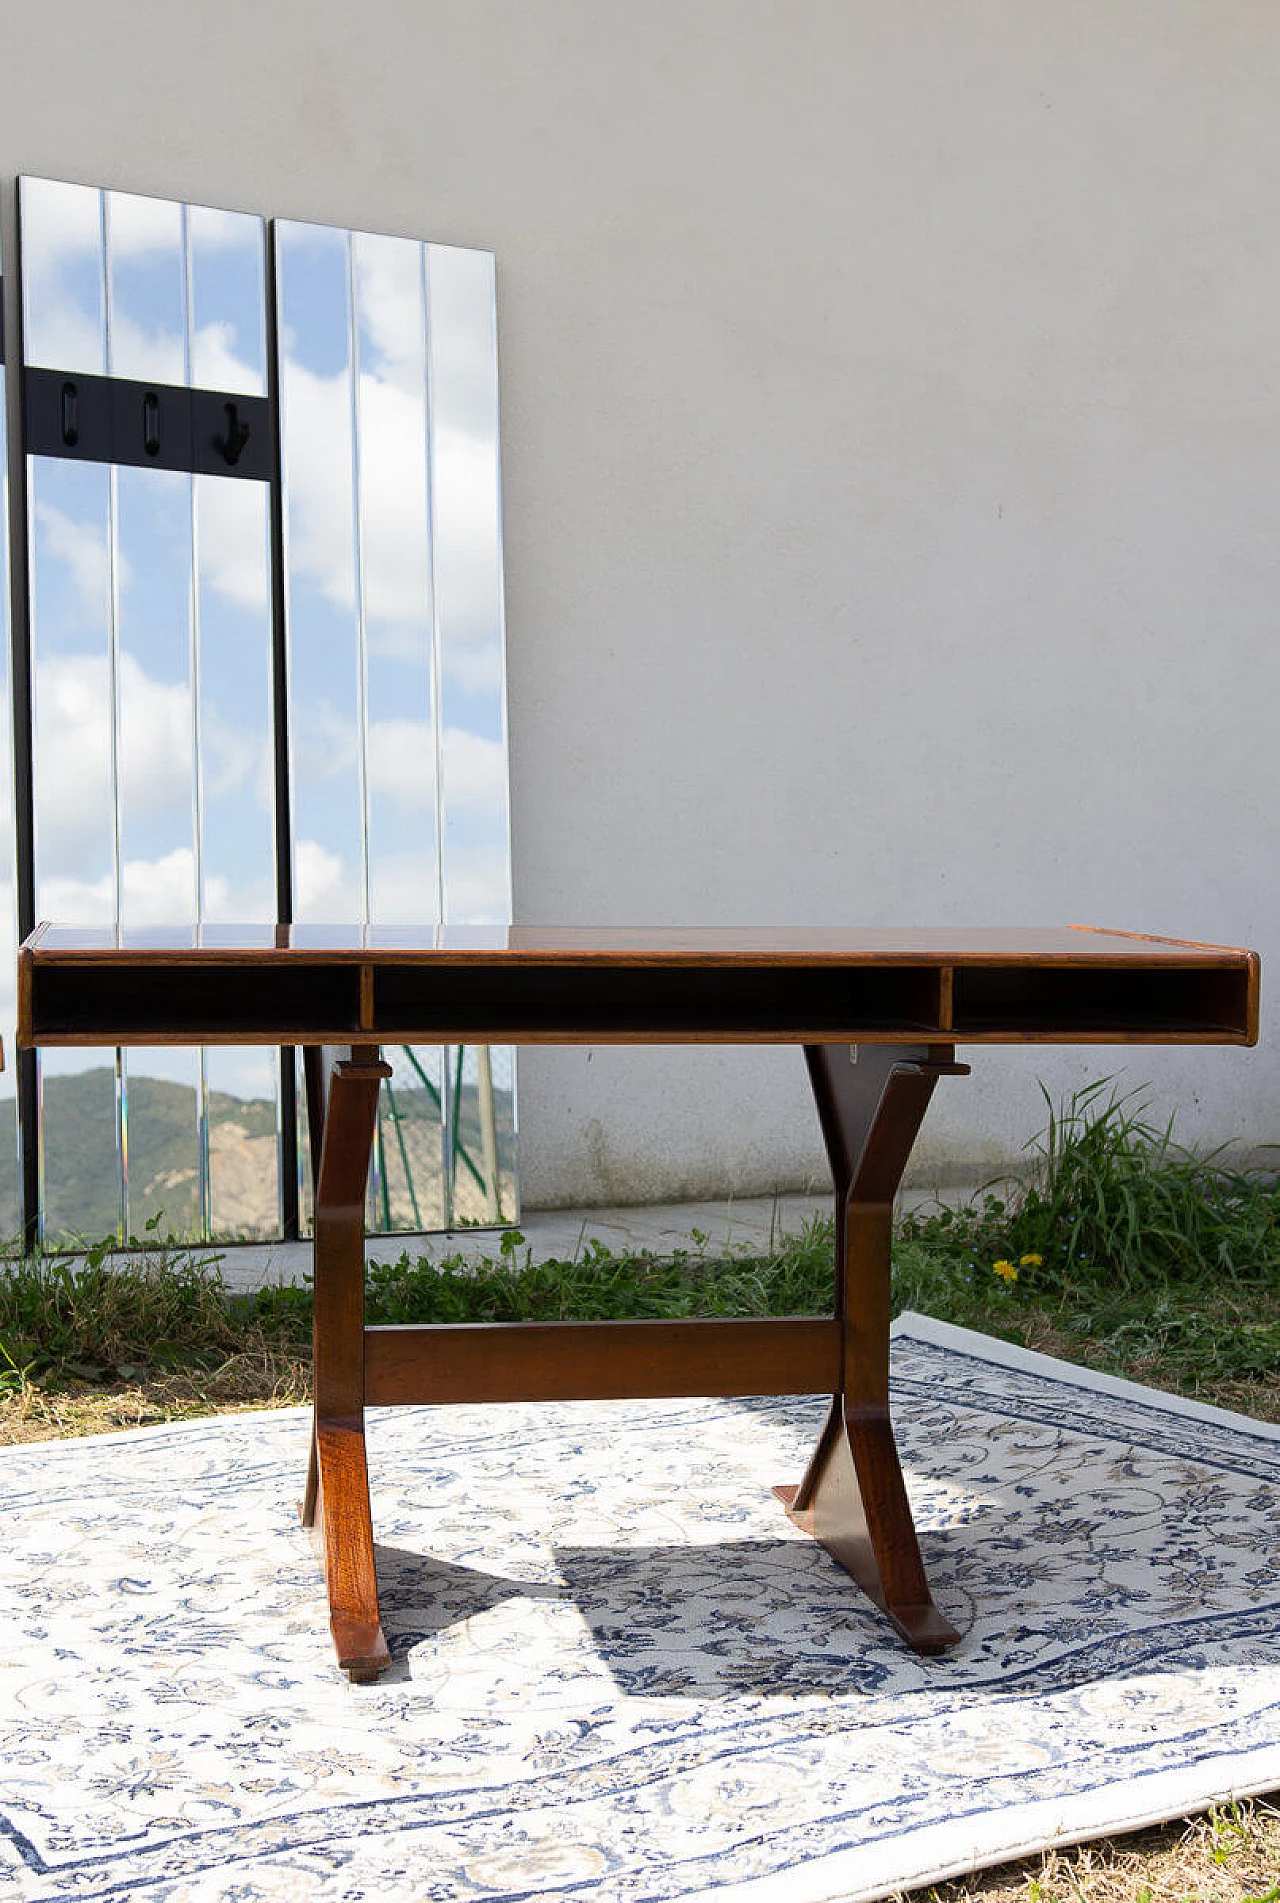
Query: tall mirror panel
{"x": 395, "y": 589}
{"x": 235, "y": 750}
{"x": 317, "y": 427}
{"x": 475, "y": 826}
{"x": 408, "y": 1184}
{"x": 71, "y": 588}
{"x": 152, "y": 784}
{"x": 10, "y": 1181}
{"x": 146, "y": 277}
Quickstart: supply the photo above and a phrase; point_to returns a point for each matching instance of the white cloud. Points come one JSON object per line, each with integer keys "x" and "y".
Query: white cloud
{"x": 139, "y": 226}
{"x": 148, "y": 353}
{"x": 317, "y": 453}
{"x": 325, "y": 888}
{"x": 155, "y": 742}
{"x": 477, "y": 886}
{"x": 72, "y": 768}
{"x": 216, "y": 366}
{"x": 474, "y": 774}
{"x": 404, "y": 888}
{"x": 389, "y": 298}
{"x": 231, "y": 523}
{"x": 323, "y": 741}
{"x": 82, "y": 549}
{"x": 401, "y": 763}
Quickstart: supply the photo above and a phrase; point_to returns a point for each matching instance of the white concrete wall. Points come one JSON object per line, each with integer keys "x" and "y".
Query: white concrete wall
{"x": 892, "y": 434}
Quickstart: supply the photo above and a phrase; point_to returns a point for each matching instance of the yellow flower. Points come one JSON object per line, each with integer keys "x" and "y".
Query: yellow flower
{"x": 1005, "y": 1270}
{"x": 1031, "y": 1261}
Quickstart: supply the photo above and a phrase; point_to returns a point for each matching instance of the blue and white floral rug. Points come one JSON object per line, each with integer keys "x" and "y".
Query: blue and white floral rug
{"x": 619, "y": 1672}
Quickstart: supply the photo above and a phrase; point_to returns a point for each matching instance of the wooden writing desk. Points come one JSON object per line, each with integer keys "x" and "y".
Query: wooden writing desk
{"x": 879, "y": 1014}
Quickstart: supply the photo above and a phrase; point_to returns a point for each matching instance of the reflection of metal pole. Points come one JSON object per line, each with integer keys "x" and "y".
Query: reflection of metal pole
{"x": 434, "y": 1095}
{"x": 488, "y": 1133}
{"x": 397, "y": 1121}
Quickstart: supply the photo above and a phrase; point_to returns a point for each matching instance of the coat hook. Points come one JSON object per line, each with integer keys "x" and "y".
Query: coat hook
{"x": 151, "y": 423}
{"x": 236, "y": 437}
{"x": 70, "y": 423}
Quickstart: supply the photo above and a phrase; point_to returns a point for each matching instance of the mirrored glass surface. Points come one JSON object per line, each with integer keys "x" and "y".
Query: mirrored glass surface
{"x": 475, "y": 829}
{"x": 71, "y": 584}
{"x": 317, "y": 401}
{"x": 63, "y": 275}
{"x": 235, "y": 755}
{"x": 228, "y": 349}
{"x": 395, "y": 569}
{"x": 242, "y": 1089}
{"x": 146, "y": 288}
{"x": 236, "y": 747}
{"x": 155, "y": 706}
{"x": 408, "y": 1187}
{"x": 10, "y": 1181}
{"x": 468, "y": 579}
{"x": 80, "y": 1163}
{"x": 151, "y": 659}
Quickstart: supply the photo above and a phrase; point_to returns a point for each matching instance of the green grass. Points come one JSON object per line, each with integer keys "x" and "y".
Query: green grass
{"x": 1120, "y": 1247}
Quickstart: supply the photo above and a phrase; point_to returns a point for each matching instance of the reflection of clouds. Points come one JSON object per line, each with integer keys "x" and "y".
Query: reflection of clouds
{"x": 140, "y": 227}
{"x": 475, "y": 774}
{"x": 73, "y": 753}
{"x": 389, "y": 296}
{"x": 317, "y": 450}
{"x": 393, "y": 480}
{"x": 404, "y": 888}
{"x": 467, "y": 558}
{"x": 155, "y": 741}
{"x": 158, "y": 891}
{"x": 72, "y": 766}
{"x": 212, "y": 229}
{"x": 477, "y": 885}
{"x": 324, "y": 886}
{"x": 402, "y": 768}
{"x": 62, "y": 246}
{"x": 393, "y": 448}
{"x": 82, "y": 549}
{"x": 397, "y": 570}
{"x": 232, "y": 530}
{"x": 61, "y": 261}
{"x": 401, "y": 763}
{"x": 324, "y": 742}
{"x": 152, "y": 353}
{"x": 217, "y": 365}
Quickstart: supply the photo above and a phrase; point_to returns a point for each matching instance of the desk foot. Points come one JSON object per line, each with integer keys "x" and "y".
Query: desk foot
{"x": 343, "y": 1543}
{"x": 854, "y": 1503}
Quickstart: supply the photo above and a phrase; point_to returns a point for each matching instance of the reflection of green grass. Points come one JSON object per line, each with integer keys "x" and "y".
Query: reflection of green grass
{"x": 1120, "y": 1249}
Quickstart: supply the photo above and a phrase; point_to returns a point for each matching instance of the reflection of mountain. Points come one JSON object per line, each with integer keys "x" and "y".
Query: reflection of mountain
{"x": 81, "y": 1195}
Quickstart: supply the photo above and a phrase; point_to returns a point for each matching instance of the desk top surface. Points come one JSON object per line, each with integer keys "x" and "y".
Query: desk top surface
{"x": 621, "y": 945}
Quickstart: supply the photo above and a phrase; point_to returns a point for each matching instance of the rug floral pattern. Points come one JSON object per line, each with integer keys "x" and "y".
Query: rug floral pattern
{"x": 618, "y": 1671}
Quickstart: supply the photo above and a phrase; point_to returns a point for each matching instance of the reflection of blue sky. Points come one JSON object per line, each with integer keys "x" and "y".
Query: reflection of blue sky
{"x": 396, "y": 539}
{"x": 146, "y": 289}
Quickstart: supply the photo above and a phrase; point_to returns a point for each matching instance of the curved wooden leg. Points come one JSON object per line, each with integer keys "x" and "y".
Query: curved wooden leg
{"x": 343, "y": 1104}
{"x": 852, "y": 1498}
